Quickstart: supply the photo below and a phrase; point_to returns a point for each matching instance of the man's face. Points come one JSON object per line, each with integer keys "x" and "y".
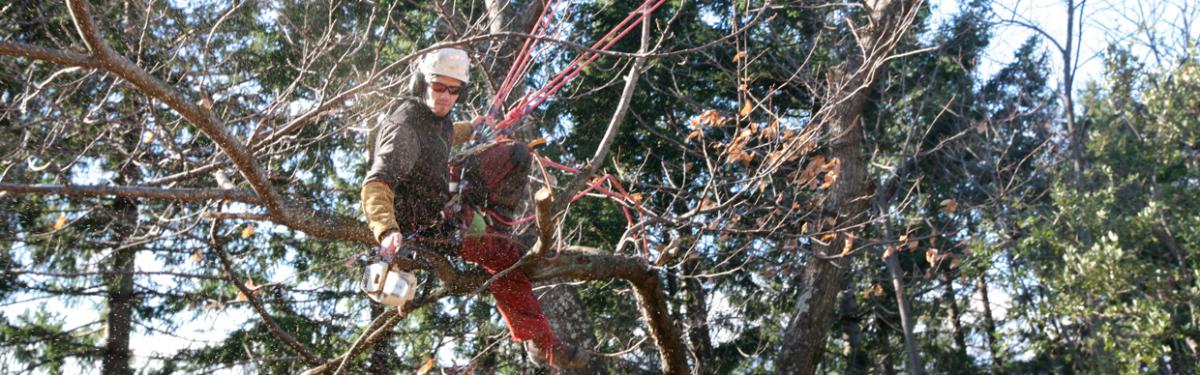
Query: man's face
{"x": 441, "y": 94}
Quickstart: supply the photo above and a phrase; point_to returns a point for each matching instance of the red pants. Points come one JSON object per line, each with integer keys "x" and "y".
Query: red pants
{"x": 513, "y": 292}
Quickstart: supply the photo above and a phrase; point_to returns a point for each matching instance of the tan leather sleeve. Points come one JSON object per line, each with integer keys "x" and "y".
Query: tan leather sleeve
{"x": 377, "y": 199}
{"x": 462, "y": 133}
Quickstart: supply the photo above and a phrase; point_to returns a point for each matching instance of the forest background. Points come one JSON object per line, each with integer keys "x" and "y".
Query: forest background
{"x": 772, "y": 187}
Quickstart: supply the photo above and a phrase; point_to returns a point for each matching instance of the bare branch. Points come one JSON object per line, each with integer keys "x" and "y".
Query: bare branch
{"x": 176, "y": 194}
{"x": 234, "y": 278}
{"x": 610, "y": 134}
{"x": 48, "y": 54}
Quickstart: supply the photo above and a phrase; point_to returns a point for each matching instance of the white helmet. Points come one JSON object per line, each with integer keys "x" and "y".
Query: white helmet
{"x": 448, "y": 62}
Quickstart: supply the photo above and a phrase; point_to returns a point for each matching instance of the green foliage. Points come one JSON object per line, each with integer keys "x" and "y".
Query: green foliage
{"x": 1119, "y": 270}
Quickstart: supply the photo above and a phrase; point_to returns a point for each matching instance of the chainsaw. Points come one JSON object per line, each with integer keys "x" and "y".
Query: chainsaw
{"x": 386, "y": 284}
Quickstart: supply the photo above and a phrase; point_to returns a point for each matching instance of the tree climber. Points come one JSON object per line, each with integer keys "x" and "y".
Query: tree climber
{"x": 406, "y": 195}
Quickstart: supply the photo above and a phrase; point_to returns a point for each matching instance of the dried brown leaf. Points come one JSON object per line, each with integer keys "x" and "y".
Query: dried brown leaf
{"x": 537, "y": 142}
{"x": 746, "y": 109}
{"x": 949, "y": 205}
{"x": 849, "y": 244}
{"x": 828, "y": 237}
{"x": 426, "y": 367}
{"x": 888, "y": 252}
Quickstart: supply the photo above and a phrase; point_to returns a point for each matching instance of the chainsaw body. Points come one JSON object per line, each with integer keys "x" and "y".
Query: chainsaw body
{"x": 388, "y": 286}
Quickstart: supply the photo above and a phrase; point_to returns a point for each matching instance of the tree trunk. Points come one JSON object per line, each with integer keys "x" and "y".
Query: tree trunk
{"x": 906, "y": 323}
{"x": 960, "y": 339}
{"x": 989, "y": 325}
{"x": 804, "y": 338}
{"x": 119, "y": 284}
{"x": 856, "y": 356}
{"x": 571, "y": 324}
{"x": 1073, "y": 132}
{"x": 381, "y": 352}
{"x": 883, "y": 360}
{"x": 505, "y": 16}
{"x": 696, "y": 321}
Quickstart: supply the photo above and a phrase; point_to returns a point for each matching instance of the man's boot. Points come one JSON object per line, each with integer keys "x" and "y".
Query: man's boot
{"x": 562, "y": 355}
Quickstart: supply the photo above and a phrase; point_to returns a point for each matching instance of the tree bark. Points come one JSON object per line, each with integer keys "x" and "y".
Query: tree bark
{"x": 906, "y": 321}
{"x": 120, "y": 297}
{"x": 804, "y": 338}
{"x": 119, "y": 281}
{"x": 883, "y": 357}
{"x": 571, "y": 324}
{"x": 856, "y": 356}
{"x": 381, "y": 351}
{"x": 960, "y": 340}
{"x": 846, "y": 95}
{"x": 989, "y": 325}
{"x": 696, "y": 321}
{"x": 505, "y": 16}
{"x": 1074, "y": 132}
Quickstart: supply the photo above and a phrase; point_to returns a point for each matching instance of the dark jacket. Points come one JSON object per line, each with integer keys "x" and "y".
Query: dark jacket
{"x": 411, "y": 155}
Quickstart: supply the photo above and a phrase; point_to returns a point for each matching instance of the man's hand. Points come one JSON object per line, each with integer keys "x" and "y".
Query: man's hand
{"x": 391, "y": 242}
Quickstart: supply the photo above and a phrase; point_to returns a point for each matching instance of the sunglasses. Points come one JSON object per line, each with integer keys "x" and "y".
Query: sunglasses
{"x": 439, "y": 87}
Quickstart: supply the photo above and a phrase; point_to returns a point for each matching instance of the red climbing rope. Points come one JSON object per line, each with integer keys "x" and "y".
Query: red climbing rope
{"x": 531, "y": 101}
{"x": 524, "y": 58}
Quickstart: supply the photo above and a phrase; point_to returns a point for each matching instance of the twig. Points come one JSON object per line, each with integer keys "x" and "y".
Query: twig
{"x": 232, "y": 275}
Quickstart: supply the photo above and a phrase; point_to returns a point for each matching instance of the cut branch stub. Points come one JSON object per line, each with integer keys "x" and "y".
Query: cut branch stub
{"x": 543, "y": 199}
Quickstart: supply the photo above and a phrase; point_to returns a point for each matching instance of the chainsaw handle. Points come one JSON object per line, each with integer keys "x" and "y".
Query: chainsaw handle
{"x": 403, "y": 252}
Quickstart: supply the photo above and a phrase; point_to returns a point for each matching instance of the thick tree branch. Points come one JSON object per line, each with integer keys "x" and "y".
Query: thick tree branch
{"x": 327, "y": 226}
{"x": 203, "y": 119}
{"x": 579, "y": 263}
{"x": 48, "y": 54}
{"x": 582, "y": 263}
{"x": 105, "y": 58}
